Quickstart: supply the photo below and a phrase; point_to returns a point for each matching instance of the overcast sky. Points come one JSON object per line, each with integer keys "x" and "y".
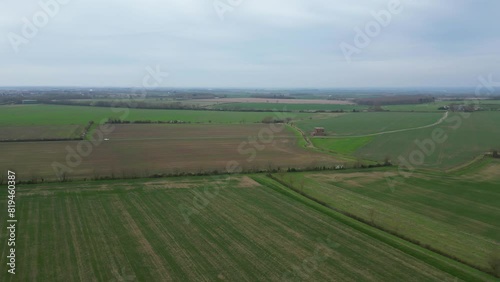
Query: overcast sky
{"x": 259, "y": 43}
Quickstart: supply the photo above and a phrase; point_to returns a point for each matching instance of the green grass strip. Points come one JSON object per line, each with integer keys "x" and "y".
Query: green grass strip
{"x": 443, "y": 263}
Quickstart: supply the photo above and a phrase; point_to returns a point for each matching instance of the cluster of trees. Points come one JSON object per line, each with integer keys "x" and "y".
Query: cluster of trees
{"x": 273, "y": 96}
{"x": 376, "y": 108}
{"x": 44, "y": 97}
{"x": 270, "y": 119}
{"x": 462, "y": 107}
{"x": 119, "y": 121}
{"x": 41, "y": 139}
{"x": 86, "y": 129}
{"x": 129, "y": 104}
{"x": 189, "y": 96}
{"x": 82, "y": 136}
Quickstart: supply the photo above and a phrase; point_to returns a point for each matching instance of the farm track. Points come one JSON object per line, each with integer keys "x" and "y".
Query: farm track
{"x": 441, "y": 120}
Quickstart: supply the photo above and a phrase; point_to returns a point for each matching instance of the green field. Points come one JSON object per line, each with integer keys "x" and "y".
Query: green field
{"x": 57, "y": 115}
{"x": 346, "y": 146}
{"x": 427, "y": 107}
{"x": 202, "y": 229}
{"x": 456, "y": 214}
{"x": 355, "y": 124}
{"x": 148, "y": 102}
{"x": 467, "y": 138}
{"x": 289, "y": 107}
{"x": 433, "y": 226}
{"x": 432, "y": 107}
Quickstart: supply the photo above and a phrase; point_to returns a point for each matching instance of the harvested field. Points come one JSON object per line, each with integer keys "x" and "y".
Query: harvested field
{"x": 40, "y": 132}
{"x": 144, "y": 150}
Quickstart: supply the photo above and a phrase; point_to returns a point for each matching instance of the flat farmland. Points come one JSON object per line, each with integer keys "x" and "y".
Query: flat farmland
{"x": 278, "y": 101}
{"x": 430, "y": 107}
{"x": 289, "y": 107}
{"x": 359, "y": 124}
{"x": 454, "y": 213}
{"x": 347, "y": 146}
{"x": 465, "y": 140}
{"x": 40, "y": 132}
{"x": 58, "y": 114}
{"x": 147, "y": 149}
{"x": 138, "y": 230}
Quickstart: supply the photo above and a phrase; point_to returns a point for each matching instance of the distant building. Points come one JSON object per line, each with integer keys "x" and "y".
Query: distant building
{"x": 319, "y": 131}
{"x": 30, "y": 102}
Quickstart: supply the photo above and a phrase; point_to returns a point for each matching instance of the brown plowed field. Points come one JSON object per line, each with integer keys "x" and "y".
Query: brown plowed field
{"x": 30, "y": 132}
{"x": 143, "y": 150}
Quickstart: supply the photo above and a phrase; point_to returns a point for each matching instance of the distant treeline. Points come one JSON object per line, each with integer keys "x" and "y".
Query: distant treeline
{"x": 128, "y": 104}
{"x": 269, "y": 120}
{"x": 471, "y": 107}
{"x": 41, "y": 140}
{"x": 190, "y": 96}
{"x": 42, "y": 98}
{"x": 395, "y": 100}
{"x": 119, "y": 121}
{"x": 134, "y": 174}
{"x": 83, "y": 135}
{"x": 175, "y": 106}
{"x": 273, "y": 96}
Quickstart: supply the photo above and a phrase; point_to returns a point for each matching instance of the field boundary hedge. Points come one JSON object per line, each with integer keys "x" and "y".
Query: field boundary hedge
{"x": 83, "y": 135}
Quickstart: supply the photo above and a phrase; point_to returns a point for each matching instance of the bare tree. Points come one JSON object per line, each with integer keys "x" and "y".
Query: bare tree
{"x": 270, "y": 166}
{"x": 495, "y": 154}
{"x": 63, "y": 177}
